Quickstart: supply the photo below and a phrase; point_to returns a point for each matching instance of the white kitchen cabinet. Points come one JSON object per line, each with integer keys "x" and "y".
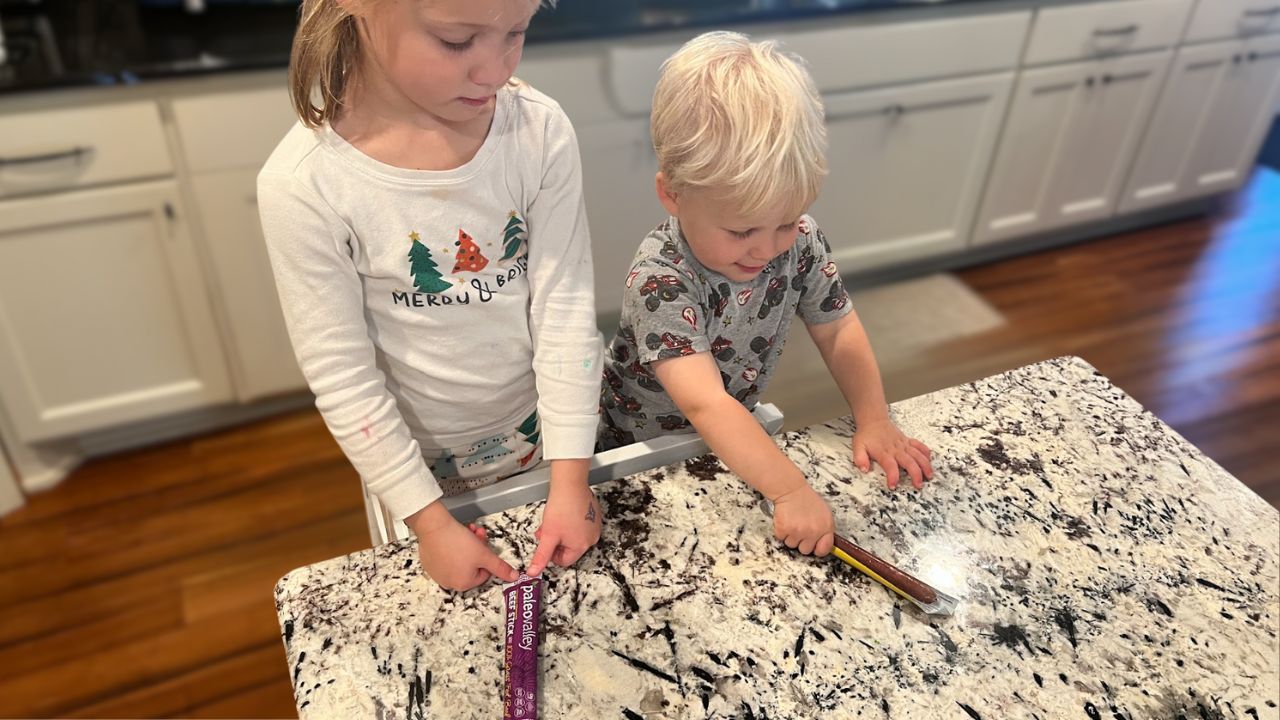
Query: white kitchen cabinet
{"x": 618, "y": 169}
{"x": 259, "y": 351}
{"x": 1068, "y": 144}
{"x": 225, "y": 138}
{"x": 104, "y": 317}
{"x": 907, "y": 165}
{"x": 1209, "y": 124}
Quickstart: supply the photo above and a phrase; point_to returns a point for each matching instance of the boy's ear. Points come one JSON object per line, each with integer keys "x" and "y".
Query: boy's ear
{"x": 665, "y": 195}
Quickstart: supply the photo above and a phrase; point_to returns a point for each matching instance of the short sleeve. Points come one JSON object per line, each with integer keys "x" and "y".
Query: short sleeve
{"x": 660, "y": 304}
{"x": 823, "y": 296}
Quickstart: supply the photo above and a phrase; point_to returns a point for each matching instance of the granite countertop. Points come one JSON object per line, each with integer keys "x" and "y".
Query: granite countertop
{"x": 1106, "y": 569}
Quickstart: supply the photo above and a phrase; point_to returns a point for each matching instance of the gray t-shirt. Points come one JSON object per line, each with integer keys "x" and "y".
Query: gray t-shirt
{"x": 674, "y": 306}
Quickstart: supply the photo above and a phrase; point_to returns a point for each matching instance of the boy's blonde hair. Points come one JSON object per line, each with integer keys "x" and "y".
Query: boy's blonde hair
{"x": 325, "y": 55}
{"x": 742, "y": 120}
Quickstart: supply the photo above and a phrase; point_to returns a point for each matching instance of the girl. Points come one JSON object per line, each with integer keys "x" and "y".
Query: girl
{"x": 426, "y": 228}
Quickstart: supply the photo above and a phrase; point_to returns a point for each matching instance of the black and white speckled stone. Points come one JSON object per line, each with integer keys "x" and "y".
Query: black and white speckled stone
{"x": 1107, "y": 569}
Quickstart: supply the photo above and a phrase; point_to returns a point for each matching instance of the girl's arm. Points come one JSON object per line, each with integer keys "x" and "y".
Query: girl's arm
{"x": 562, "y": 310}
{"x": 323, "y": 305}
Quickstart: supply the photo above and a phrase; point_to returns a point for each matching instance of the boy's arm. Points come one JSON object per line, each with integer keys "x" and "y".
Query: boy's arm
{"x": 847, "y": 352}
{"x": 694, "y": 383}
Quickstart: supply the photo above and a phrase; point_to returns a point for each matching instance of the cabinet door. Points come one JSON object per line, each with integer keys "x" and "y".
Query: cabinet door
{"x": 618, "y": 169}
{"x": 104, "y": 317}
{"x": 262, "y": 359}
{"x": 1213, "y": 116}
{"x": 906, "y": 168}
{"x": 1068, "y": 145}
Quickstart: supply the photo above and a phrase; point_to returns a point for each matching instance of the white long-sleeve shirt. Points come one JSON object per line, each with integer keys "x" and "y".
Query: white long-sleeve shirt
{"x": 432, "y": 309}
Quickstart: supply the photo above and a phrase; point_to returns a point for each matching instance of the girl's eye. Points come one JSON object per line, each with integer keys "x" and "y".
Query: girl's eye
{"x": 456, "y": 46}
{"x": 516, "y": 34}
{"x": 740, "y": 234}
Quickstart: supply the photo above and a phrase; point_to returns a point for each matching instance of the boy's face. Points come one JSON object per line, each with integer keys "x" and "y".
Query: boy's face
{"x": 447, "y": 58}
{"x": 722, "y": 238}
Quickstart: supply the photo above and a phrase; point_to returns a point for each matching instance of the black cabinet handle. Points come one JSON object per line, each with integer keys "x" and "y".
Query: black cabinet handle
{"x": 1125, "y": 30}
{"x": 77, "y": 153}
{"x": 1263, "y": 12}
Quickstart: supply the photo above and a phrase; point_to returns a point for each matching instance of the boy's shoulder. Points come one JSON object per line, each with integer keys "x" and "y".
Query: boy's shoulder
{"x": 663, "y": 248}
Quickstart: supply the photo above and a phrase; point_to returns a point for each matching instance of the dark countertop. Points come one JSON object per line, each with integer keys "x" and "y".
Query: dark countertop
{"x": 127, "y": 42}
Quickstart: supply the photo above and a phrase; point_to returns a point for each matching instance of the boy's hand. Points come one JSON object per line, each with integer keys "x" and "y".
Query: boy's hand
{"x": 570, "y": 524}
{"x": 802, "y": 521}
{"x": 884, "y": 443}
{"x": 456, "y": 557}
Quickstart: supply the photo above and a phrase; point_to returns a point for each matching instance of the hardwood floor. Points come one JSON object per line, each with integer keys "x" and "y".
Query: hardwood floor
{"x": 141, "y": 586}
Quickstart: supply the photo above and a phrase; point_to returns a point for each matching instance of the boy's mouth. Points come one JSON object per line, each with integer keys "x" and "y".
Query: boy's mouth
{"x": 749, "y": 268}
{"x": 476, "y": 102}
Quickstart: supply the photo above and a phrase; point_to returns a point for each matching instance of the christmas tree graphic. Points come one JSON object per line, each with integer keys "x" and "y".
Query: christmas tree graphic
{"x": 529, "y": 429}
{"x": 469, "y": 257}
{"x": 426, "y": 276}
{"x": 513, "y": 236}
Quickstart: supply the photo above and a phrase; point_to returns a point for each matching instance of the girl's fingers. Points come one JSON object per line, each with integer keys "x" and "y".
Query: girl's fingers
{"x": 806, "y": 547}
{"x": 913, "y": 470}
{"x": 825, "y": 543}
{"x": 860, "y": 458}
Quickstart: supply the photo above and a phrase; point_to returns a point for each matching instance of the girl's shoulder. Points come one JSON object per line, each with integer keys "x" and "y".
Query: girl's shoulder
{"x": 535, "y": 107}
{"x": 293, "y": 150}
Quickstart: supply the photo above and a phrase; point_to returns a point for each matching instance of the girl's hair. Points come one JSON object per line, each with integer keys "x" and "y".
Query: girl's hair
{"x": 326, "y": 53}
{"x": 326, "y": 50}
{"x": 740, "y": 120}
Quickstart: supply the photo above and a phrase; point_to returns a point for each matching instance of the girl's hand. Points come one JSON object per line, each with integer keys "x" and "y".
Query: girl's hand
{"x": 884, "y": 443}
{"x": 802, "y": 521}
{"x": 570, "y": 525}
{"x": 456, "y": 557}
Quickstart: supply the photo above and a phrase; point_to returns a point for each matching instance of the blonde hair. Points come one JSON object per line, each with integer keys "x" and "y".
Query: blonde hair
{"x": 326, "y": 50}
{"x": 741, "y": 120}
{"x": 326, "y": 53}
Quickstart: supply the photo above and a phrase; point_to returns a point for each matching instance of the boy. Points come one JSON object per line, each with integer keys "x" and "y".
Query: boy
{"x": 739, "y": 136}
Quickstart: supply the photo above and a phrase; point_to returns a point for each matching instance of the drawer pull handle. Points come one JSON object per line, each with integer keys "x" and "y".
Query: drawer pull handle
{"x": 1110, "y": 32}
{"x": 1263, "y": 12}
{"x": 894, "y": 110}
{"x": 77, "y": 152}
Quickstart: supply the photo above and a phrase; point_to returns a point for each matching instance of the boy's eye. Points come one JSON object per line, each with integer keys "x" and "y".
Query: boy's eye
{"x": 789, "y": 226}
{"x": 741, "y": 234}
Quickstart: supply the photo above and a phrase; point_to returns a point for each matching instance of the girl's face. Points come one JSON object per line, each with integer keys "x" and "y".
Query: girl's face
{"x": 447, "y": 58}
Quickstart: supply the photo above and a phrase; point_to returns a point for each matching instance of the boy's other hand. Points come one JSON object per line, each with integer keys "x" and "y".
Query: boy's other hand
{"x": 456, "y": 556}
{"x": 884, "y": 443}
{"x": 802, "y": 521}
{"x": 571, "y": 524}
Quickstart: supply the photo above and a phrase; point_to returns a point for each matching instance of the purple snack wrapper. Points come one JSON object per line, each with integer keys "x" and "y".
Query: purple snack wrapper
{"x": 523, "y": 601}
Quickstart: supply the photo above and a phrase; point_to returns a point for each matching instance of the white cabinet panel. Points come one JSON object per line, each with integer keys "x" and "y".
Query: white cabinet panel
{"x": 1068, "y": 144}
{"x": 1223, "y": 19}
{"x": 235, "y": 129}
{"x": 852, "y": 56}
{"x": 64, "y": 149}
{"x": 1211, "y": 120}
{"x": 262, "y": 359}
{"x": 1086, "y": 31}
{"x": 104, "y": 318}
{"x": 907, "y": 168}
{"x": 618, "y": 169}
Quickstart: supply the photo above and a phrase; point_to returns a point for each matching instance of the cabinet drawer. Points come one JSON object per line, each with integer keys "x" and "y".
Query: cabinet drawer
{"x": 1221, "y": 19}
{"x": 1082, "y": 32}
{"x": 844, "y": 58}
{"x": 232, "y": 130}
{"x": 56, "y": 149}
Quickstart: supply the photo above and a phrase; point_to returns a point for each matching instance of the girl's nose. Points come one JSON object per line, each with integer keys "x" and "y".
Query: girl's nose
{"x": 491, "y": 71}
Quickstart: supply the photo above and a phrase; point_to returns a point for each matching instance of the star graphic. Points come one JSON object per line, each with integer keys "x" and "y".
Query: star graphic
{"x": 414, "y": 236}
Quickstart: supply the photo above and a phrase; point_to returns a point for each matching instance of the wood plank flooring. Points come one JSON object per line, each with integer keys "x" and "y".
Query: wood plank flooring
{"x": 141, "y": 586}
